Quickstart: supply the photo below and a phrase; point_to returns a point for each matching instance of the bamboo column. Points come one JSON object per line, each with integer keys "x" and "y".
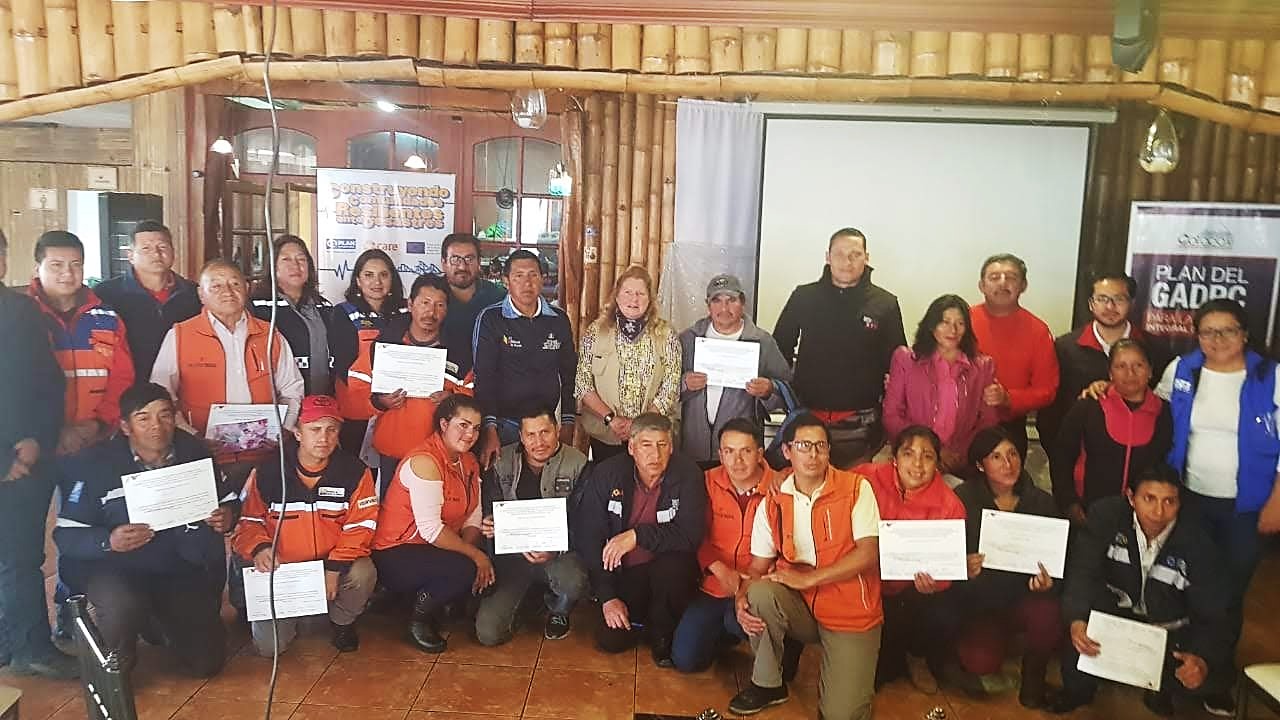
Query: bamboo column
{"x": 8, "y": 60}
{"x": 1002, "y": 55}
{"x": 97, "y": 56}
{"x": 856, "y": 52}
{"x": 460, "y": 41}
{"x": 1270, "y": 100}
{"x": 277, "y": 32}
{"x": 656, "y": 50}
{"x": 1267, "y": 170}
{"x": 792, "y": 50}
{"x": 559, "y": 46}
{"x": 641, "y": 150}
{"x": 1233, "y": 166}
{"x": 726, "y": 49}
{"x": 1218, "y": 162}
{"x": 1210, "y": 76}
{"x": 251, "y": 18}
{"x": 370, "y": 34}
{"x": 625, "y": 46}
{"x": 595, "y": 47}
{"x": 402, "y": 35}
{"x": 228, "y": 29}
{"x": 1035, "y": 56}
{"x": 494, "y": 42}
{"x": 1177, "y": 61}
{"x": 591, "y": 189}
{"x": 572, "y": 245}
{"x": 626, "y": 136}
{"x": 308, "y": 32}
{"x": 966, "y": 54}
{"x": 929, "y": 54}
{"x": 1148, "y": 72}
{"x": 1244, "y": 71}
{"x": 128, "y": 20}
{"x": 824, "y": 51}
{"x": 653, "y": 225}
{"x": 758, "y": 49}
{"x": 1199, "y": 171}
{"x": 1067, "y": 64}
{"x": 31, "y": 47}
{"x": 340, "y": 33}
{"x": 64, "y": 44}
{"x": 431, "y": 38}
{"x": 1099, "y": 68}
{"x": 892, "y": 53}
{"x": 529, "y": 47}
{"x": 668, "y": 228}
{"x": 608, "y": 198}
{"x": 164, "y": 43}
{"x": 693, "y": 50}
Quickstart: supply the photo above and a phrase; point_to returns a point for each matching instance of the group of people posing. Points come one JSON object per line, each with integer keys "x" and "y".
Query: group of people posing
{"x": 686, "y": 531}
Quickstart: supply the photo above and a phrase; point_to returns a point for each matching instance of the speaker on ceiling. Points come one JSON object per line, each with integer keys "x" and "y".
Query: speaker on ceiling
{"x": 1134, "y": 34}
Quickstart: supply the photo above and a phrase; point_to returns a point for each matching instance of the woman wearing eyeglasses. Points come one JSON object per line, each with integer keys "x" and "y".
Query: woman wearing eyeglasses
{"x": 1224, "y": 398}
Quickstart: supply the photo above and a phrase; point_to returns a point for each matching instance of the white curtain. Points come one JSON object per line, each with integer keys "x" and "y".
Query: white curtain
{"x": 718, "y": 158}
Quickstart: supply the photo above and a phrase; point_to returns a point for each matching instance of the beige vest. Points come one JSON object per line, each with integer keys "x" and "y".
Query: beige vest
{"x": 606, "y": 369}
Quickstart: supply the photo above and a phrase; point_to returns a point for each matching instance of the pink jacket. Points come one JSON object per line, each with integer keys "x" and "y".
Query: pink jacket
{"x": 911, "y": 397}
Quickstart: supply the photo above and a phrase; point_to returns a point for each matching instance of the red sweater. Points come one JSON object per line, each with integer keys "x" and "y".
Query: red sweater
{"x": 1026, "y": 364}
{"x": 934, "y": 501}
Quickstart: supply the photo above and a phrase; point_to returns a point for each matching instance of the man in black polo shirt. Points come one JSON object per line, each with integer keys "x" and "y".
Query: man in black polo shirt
{"x": 468, "y": 294}
{"x": 524, "y": 358}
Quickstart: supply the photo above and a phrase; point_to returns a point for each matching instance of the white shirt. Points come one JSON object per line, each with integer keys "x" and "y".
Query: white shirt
{"x": 289, "y": 385}
{"x": 1106, "y": 346}
{"x": 715, "y": 391}
{"x": 1213, "y": 448}
{"x": 1147, "y": 554}
{"x": 865, "y": 518}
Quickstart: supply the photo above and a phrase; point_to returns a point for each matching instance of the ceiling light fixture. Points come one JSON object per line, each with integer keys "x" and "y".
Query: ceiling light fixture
{"x": 1160, "y": 149}
{"x": 529, "y": 108}
{"x": 415, "y": 162}
{"x": 386, "y": 106}
{"x": 222, "y": 146}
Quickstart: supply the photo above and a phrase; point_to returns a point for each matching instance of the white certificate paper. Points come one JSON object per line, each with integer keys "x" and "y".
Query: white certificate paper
{"x": 241, "y": 428}
{"x": 419, "y": 371}
{"x": 173, "y": 496}
{"x": 299, "y": 591}
{"x": 726, "y": 363}
{"x": 521, "y": 526}
{"x": 1017, "y": 542}
{"x": 936, "y": 547}
{"x": 1132, "y": 652}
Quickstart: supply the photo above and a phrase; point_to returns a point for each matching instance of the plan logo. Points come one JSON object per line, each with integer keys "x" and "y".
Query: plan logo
{"x": 340, "y": 244}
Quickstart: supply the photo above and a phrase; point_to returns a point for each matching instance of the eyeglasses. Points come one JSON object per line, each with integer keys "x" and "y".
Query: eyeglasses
{"x": 1230, "y": 333}
{"x": 811, "y": 446}
{"x": 1112, "y": 300}
{"x": 460, "y": 260}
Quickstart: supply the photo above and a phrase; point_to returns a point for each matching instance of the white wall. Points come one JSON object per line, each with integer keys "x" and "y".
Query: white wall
{"x": 934, "y": 199}
{"x": 84, "y": 221}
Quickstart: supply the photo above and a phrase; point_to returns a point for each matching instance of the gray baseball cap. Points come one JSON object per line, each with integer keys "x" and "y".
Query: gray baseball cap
{"x": 724, "y": 284}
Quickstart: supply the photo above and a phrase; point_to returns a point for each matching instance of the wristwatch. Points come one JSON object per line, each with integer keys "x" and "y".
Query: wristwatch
{"x": 608, "y": 417}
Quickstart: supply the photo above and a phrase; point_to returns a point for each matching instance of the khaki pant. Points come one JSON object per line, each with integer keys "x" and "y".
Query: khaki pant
{"x": 848, "y": 675}
{"x": 354, "y": 588}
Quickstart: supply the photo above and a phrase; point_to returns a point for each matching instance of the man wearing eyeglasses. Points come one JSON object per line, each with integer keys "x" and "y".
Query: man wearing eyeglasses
{"x": 1084, "y": 353}
{"x": 820, "y": 533}
{"x": 460, "y": 258}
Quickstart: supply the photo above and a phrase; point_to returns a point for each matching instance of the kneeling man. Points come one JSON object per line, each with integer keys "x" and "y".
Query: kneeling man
{"x": 332, "y": 512}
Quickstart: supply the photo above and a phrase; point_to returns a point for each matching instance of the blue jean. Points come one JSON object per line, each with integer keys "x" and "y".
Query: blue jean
{"x": 705, "y": 621}
{"x": 24, "y": 619}
{"x": 1236, "y": 535}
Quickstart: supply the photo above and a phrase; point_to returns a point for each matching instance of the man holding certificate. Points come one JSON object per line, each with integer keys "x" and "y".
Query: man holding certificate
{"x": 138, "y": 578}
{"x": 1142, "y": 560}
{"x": 536, "y": 468}
{"x": 332, "y": 513}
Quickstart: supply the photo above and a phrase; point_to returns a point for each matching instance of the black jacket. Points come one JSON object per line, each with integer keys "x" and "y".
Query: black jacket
{"x": 145, "y": 320}
{"x": 1186, "y": 584}
{"x": 997, "y": 589}
{"x": 524, "y": 363}
{"x": 93, "y": 505}
{"x": 295, "y": 332}
{"x": 31, "y": 382}
{"x": 846, "y": 339}
{"x": 604, "y": 503}
{"x": 1085, "y": 432}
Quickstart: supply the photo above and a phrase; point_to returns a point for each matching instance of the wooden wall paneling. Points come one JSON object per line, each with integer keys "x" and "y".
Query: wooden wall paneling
{"x": 653, "y": 224}
{"x": 593, "y": 159}
{"x": 66, "y": 145}
{"x": 609, "y": 197}
{"x": 642, "y": 154}
{"x": 667, "y": 231}
{"x": 626, "y": 163}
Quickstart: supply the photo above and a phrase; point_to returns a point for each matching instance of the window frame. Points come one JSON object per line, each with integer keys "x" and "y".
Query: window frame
{"x": 391, "y": 148}
{"x": 513, "y": 241}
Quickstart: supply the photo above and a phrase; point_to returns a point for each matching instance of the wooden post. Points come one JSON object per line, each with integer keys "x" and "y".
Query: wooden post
{"x": 97, "y": 55}
{"x": 8, "y": 59}
{"x": 228, "y": 29}
{"x": 1035, "y": 55}
{"x": 892, "y": 53}
{"x": 1177, "y": 61}
{"x": 494, "y": 43}
{"x": 64, "y": 43}
{"x": 339, "y": 33}
{"x": 529, "y": 47}
{"x": 308, "y": 32}
{"x": 130, "y": 42}
{"x": 1271, "y": 81}
{"x": 1210, "y": 74}
{"x": 1244, "y": 73}
{"x": 281, "y": 45}
{"x": 966, "y": 54}
{"x": 560, "y": 48}
{"x": 726, "y": 49}
{"x": 929, "y": 54}
{"x": 758, "y": 51}
{"x": 792, "y": 50}
{"x": 609, "y": 199}
{"x": 1251, "y": 178}
{"x": 626, "y": 53}
{"x": 693, "y": 50}
{"x": 1199, "y": 181}
{"x": 370, "y": 34}
{"x": 402, "y": 35}
{"x": 591, "y": 189}
{"x": 824, "y": 51}
{"x": 668, "y": 228}
{"x": 626, "y": 163}
{"x": 459, "y": 41}
{"x": 1002, "y": 55}
{"x": 855, "y": 52}
{"x": 658, "y": 43}
{"x": 1218, "y": 162}
{"x": 1100, "y": 68}
{"x": 431, "y": 38}
{"x": 1267, "y": 171}
{"x": 595, "y": 46}
{"x": 251, "y": 17}
{"x": 1067, "y": 64}
{"x": 640, "y": 170}
{"x": 31, "y": 47}
{"x": 653, "y": 226}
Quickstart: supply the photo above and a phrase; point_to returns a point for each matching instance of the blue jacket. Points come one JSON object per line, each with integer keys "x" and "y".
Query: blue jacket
{"x": 1259, "y": 446}
{"x": 146, "y": 318}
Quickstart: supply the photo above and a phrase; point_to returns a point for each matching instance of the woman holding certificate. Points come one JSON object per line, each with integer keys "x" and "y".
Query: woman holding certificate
{"x": 994, "y": 604}
{"x": 938, "y": 382}
{"x": 428, "y": 536}
{"x": 629, "y": 365}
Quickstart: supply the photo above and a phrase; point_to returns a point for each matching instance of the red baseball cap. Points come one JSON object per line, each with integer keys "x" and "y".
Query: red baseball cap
{"x": 316, "y": 407}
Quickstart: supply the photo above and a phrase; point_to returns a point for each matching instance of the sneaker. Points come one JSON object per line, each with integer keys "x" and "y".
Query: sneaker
{"x": 922, "y": 678}
{"x": 755, "y": 698}
{"x": 557, "y": 627}
{"x": 345, "y": 637}
{"x": 54, "y": 666}
{"x": 1220, "y": 704}
{"x": 1159, "y": 703}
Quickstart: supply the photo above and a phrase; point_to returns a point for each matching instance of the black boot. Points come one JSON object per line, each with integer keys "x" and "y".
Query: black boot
{"x": 424, "y": 626}
{"x": 1031, "y": 692}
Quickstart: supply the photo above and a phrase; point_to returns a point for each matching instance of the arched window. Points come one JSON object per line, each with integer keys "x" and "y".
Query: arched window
{"x": 388, "y": 150}
{"x": 513, "y": 201}
{"x": 297, "y": 152}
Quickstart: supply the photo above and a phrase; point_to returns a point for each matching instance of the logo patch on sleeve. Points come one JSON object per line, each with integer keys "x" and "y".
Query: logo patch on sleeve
{"x": 366, "y": 503}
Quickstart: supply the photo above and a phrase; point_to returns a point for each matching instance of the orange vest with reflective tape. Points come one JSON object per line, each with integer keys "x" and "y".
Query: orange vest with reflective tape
{"x": 396, "y": 524}
{"x": 399, "y": 431}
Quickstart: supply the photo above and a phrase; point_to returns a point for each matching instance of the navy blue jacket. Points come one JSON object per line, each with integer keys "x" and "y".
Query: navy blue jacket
{"x": 146, "y": 321}
{"x": 522, "y": 363}
{"x": 93, "y": 505}
{"x": 31, "y": 383}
